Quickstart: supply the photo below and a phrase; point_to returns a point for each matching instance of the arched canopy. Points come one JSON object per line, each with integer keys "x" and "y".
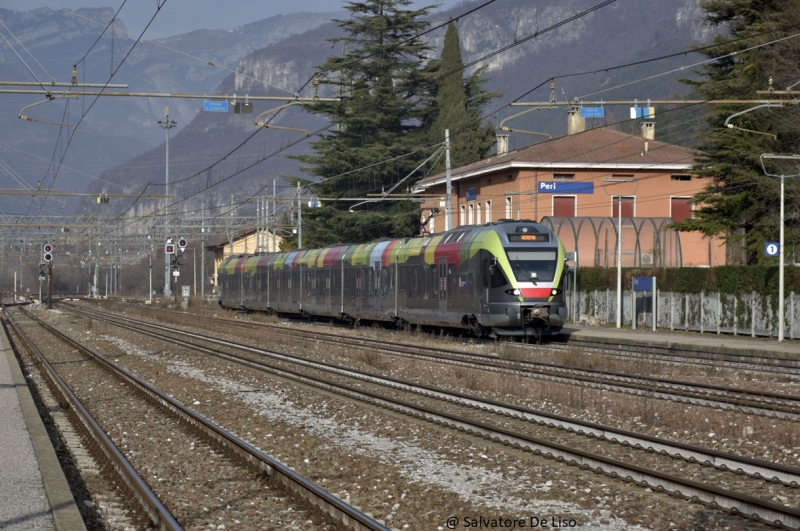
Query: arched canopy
{"x": 646, "y": 242}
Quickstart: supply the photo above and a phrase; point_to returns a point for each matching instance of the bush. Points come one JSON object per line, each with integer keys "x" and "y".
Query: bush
{"x": 723, "y": 279}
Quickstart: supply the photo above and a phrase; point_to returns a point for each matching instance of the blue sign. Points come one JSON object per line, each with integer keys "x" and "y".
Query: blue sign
{"x": 642, "y": 283}
{"x": 643, "y": 112}
{"x": 472, "y": 194}
{"x": 559, "y": 187}
{"x": 772, "y": 249}
{"x": 592, "y": 112}
{"x": 215, "y": 106}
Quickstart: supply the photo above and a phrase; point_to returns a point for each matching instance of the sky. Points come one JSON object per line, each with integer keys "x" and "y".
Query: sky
{"x": 182, "y": 16}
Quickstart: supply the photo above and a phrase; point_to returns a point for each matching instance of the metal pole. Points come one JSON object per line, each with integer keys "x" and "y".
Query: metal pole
{"x": 299, "y": 219}
{"x": 449, "y": 198}
{"x": 274, "y": 194}
{"x": 150, "y": 291}
{"x": 655, "y": 305}
{"x": 780, "y": 272}
{"x": 619, "y": 265}
{"x": 194, "y": 269}
{"x": 167, "y": 124}
{"x": 203, "y": 269}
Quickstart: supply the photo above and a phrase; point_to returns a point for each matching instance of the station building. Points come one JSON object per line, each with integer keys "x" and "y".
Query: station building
{"x": 577, "y": 184}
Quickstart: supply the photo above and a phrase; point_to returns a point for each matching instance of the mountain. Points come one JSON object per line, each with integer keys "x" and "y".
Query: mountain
{"x": 279, "y": 56}
{"x": 113, "y": 129}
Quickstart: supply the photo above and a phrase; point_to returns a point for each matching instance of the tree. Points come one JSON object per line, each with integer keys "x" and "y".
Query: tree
{"x": 384, "y": 82}
{"x": 458, "y": 108}
{"x": 741, "y": 203}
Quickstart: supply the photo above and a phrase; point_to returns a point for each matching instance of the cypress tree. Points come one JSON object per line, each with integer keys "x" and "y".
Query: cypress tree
{"x": 459, "y": 104}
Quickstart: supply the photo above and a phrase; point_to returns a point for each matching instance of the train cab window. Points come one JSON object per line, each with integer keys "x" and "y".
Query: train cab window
{"x": 532, "y": 266}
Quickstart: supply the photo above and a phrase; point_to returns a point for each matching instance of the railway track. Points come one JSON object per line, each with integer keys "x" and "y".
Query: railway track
{"x": 243, "y": 462}
{"x": 759, "y": 490}
{"x": 756, "y": 402}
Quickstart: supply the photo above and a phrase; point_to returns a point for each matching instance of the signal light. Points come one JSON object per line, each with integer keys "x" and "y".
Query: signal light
{"x": 182, "y": 243}
{"x": 47, "y": 257}
{"x": 47, "y": 248}
{"x": 169, "y": 248}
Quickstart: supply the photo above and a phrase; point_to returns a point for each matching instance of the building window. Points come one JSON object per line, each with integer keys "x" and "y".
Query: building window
{"x": 509, "y": 214}
{"x": 477, "y": 213}
{"x": 489, "y": 211}
{"x": 563, "y": 176}
{"x": 680, "y": 208}
{"x": 564, "y": 206}
{"x": 628, "y": 202}
{"x": 681, "y": 177}
{"x": 472, "y": 213}
{"x": 431, "y": 222}
{"x": 462, "y": 219}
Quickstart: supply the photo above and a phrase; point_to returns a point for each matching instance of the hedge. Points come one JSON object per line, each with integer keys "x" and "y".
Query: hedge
{"x": 723, "y": 279}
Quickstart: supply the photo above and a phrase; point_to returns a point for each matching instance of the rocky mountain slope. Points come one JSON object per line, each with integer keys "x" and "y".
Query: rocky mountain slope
{"x": 278, "y": 56}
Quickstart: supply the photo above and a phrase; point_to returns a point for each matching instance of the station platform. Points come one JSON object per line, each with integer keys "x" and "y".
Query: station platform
{"x": 35, "y": 493}
{"x": 668, "y": 340}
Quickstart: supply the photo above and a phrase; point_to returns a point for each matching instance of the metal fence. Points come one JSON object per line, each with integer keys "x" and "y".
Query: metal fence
{"x": 719, "y": 313}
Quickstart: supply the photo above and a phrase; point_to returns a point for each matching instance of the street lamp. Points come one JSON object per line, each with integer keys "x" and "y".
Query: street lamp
{"x": 166, "y": 124}
{"x": 619, "y": 180}
{"x": 781, "y": 252}
{"x": 778, "y": 157}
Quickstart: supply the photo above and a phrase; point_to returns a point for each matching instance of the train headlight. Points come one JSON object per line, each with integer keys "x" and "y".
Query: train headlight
{"x": 554, "y": 292}
{"x": 514, "y": 292}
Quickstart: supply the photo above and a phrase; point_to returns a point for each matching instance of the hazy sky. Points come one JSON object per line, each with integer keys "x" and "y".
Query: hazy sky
{"x": 182, "y": 16}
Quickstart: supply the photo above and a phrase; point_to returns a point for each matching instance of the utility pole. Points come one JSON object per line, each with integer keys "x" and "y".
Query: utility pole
{"x": 166, "y": 124}
{"x": 449, "y": 207}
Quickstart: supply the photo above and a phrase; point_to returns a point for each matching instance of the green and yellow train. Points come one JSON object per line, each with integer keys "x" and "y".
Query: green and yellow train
{"x": 504, "y": 278}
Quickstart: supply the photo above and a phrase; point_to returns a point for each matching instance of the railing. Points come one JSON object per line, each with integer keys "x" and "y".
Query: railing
{"x": 750, "y": 314}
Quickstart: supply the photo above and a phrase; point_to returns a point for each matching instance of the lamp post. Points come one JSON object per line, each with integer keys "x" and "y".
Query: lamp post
{"x": 782, "y": 176}
{"x": 619, "y": 180}
{"x": 781, "y": 252}
{"x": 166, "y": 124}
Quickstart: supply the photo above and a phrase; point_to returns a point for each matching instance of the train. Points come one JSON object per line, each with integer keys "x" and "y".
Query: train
{"x": 501, "y": 279}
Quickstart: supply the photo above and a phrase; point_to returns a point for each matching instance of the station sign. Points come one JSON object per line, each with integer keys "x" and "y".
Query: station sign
{"x": 215, "y": 106}
{"x": 559, "y": 187}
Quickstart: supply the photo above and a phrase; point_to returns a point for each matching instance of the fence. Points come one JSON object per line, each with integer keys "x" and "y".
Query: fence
{"x": 748, "y": 314}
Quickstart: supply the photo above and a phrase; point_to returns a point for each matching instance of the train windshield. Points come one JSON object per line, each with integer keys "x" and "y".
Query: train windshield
{"x": 532, "y": 266}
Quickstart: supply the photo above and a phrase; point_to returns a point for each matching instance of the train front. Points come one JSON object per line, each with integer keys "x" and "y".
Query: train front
{"x": 527, "y": 281}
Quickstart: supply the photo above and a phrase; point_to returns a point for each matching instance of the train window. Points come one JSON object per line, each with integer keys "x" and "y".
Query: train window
{"x": 532, "y": 266}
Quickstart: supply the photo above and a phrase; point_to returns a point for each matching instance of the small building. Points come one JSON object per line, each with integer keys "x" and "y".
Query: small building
{"x": 249, "y": 241}
{"x": 578, "y": 184}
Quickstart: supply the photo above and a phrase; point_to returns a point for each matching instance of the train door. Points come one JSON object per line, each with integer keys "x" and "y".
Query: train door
{"x": 378, "y": 289}
{"x": 442, "y": 286}
{"x": 359, "y": 285}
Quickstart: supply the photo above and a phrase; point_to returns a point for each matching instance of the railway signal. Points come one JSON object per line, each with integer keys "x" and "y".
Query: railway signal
{"x": 182, "y": 243}
{"x": 47, "y": 252}
{"x": 169, "y": 248}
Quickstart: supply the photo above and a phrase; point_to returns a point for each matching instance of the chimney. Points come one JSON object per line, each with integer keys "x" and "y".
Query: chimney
{"x": 649, "y": 130}
{"x": 502, "y": 144}
{"x": 576, "y": 123}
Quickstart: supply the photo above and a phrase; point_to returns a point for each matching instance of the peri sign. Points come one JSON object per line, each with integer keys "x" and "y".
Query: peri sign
{"x": 558, "y": 187}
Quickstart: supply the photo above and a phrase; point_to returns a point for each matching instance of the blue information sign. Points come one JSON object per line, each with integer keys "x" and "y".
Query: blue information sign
{"x": 559, "y": 187}
{"x": 772, "y": 249}
{"x": 642, "y": 283}
{"x": 215, "y": 106}
{"x": 592, "y": 112}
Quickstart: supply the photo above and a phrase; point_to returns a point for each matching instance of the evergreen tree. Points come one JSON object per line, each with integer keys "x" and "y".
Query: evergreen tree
{"x": 384, "y": 85}
{"x": 741, "y": 203}
{"x": 458, "y": 107}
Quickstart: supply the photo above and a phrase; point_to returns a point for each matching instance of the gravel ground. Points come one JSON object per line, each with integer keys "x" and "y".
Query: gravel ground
{"x": 411, "y": 474}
